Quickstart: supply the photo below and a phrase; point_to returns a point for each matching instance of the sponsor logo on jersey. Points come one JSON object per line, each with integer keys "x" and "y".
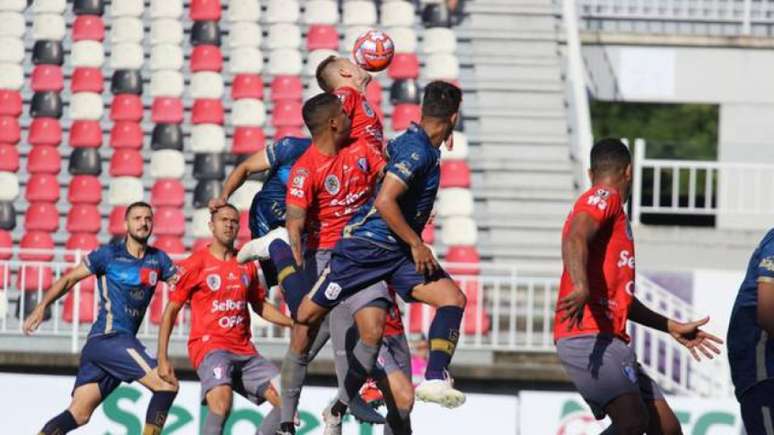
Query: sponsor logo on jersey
{"x": 298, "y": 193}
{"x": 767, "y": 263}
{"x": 625, "y": 259}
{"x": 332, "y": 291}
{"x": 213, "y": 282}
{"x": 403, "y": 168}
{"x": 630, "y": 288}
{"x": 599, "y": 199}
{"x": 137, "y": 294}
{"x": 231, "y": 276}
{"x": 332, "y": 184}
{"x": 298, "y": 181}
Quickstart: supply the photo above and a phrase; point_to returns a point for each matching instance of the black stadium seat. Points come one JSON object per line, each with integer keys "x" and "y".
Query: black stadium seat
{"x": 126, "y": 81}
{"x": 89, "y": 7}
{"x": 204, "y": 191}
{"x": 46, "y": 104}
{"x": 405, "y": 91}
{"x": 85, "y": 161}
{"x": 435, "y": 15}
{"x": 167, "y": 137}
{"x": 209, "y": 166}
{"x": 47, "y": 53}
{"x": 205, "y": 33}
{"x": 7, "y": 216}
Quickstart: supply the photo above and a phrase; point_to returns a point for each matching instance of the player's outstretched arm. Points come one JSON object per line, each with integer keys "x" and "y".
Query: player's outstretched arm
{"x": 575, "y": 254}
{"x": 295, "y": 219}
{"x": 272, "y": 314}
{"x": 258, "y": 162}
{"x": 57, "y": 290}
{"x": 166, "y": 371}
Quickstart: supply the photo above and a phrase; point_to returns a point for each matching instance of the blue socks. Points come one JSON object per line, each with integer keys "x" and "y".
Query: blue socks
{"x": 60, "y": 425}
{"x": 158, "y": 408}
{"x": 290, "y": 276}
{"x": 443, "y": 335}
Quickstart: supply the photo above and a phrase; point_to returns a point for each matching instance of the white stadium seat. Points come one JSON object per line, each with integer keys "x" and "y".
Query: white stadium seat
{"x": 321, "y": 12}
{"x": 359, "y": 13}
{"x": 48, "y": 6}
{"x": 13, "y": 50}
{"x": 166, "y": 31}
{"x": 48, "y": 27}
{"x": 404, "y": 39}
{"x": 455, "y": 201}
{"x": 244, "y": 10}
{"x": 13, "y": 24}
{"x": 460, "y": 150}
{"x": 441, "y": 67}
{"x": 459, "y": 231}
{"x": 167, "y": 164}
{"x": 285, "y": 61}
{"x": 166, "y": 56}
{"x": 126, "y": 29}
{"x": 13, "y": 5}
{"x": 439, "y": 40}
{"x": 200, "y": 224}
{"x": 166, "y": 8}
{"x": 243, "y": 197}
{"x": 9, "y": 186}
{"x": 206, "y": 84}
{"x": 126, "y": 8}
{"x": 167, "y": 83}
{"x": 282, "y": 11}
{"x": 398, "y": 13}
{"x": 284, "y": 35}
{"x": 86, "y": 105}
{"x": 11, "y": 76}
{"x": 248, "y": 111}
{"x": 207, "y": 138}
{"x": 314, "y": 59}
{"x": 126, "y": 56}
{"x": 245, "y": 34}
{"x": 124, "y": 190}
{"x": 350, "y": 36}
{"x": 312, "y": 89}
{"x": 87, "y": 54}
{"x": 246, "y": 60}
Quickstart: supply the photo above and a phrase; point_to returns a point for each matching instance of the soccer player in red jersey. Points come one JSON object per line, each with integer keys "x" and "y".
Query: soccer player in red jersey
{"x": 597, "y": 297}
{"x": 219, "y": 346}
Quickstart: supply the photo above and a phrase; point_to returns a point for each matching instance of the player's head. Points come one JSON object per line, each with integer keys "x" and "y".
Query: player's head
{"x": 224, "y": 225}
{"x": 324, "y": 115}
{"x": 441, "y": 107}
{"x": 611, "y": 158}
{"x": 138, "y": 219}
{"x": 334, "y": 72}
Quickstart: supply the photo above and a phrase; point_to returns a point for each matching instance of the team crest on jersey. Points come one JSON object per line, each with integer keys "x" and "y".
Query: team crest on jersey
{"x": 213, "y": 282}
{"x": 367, "y": 109}
{"x": 332, "y": 184}
{"x": 630, "y": 373}
{"x": 415, "y": 156}
{"x": 767, "y": 263}
{"x": 217, "y": 372}
{"x": 245, "y": 280}
{"x": 362, "y": 163}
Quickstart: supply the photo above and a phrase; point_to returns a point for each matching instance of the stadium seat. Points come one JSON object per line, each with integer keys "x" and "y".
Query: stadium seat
{"x": 205, "y": 33}
{"x": 9, "y": 186}
{"x": 374, "y": 93}
{"x": 85, "y": 134}
{"x": 359, "y": 13}
{"x": 84, "y": 54}
{"x": 83, "y": 218}
{"x": 207, "y": 138}
{"x": 247, "y": 86}
{"x": 455, "y": 202}
{"x": 206, "y": 85}
{"x": 39, "y": 241}
{"x": 439, "y": 40}
{"x": 290, "y": 131}
{"x": 460, "y": 149}
{"x": 459, "y": 230}
{"x": 243, "y": 10}
{"x": 127, "y": 8}
{"x": 47, "y": 104}
{"x": 48, "y": 6}
{"x": 11, "y": 76}
{"x": 209, "y": 166}
{"x": 126, "y": 55}
{"x": 428, "y": 234}
{"x": 404, "y": 66}
{"x": 172, "y": 245}
{"x": 246, "y": 60}
{"x": 249, "y": 112}
{"x": 14, "y": 5}
{"x": 47, "y": 27}
{"x": 464, "y": 254}
{"x": 44, "y": 159}
{"x": 287, "y": 113}
{"x": 312, "y": 88}
{"x": 441, "y": 66}
{"x": 166, "y": 9}
{"x": 34, "y": 279}
{"x": 404, "y": 114}
{"x": 166, "y": 57}
{"x": 435, "y": 15}
{"x": 204, "y": 10}
{"x": 315, "y": 57}
{"x": 40, "y": 187}
{"x": 454, "y": 173}
{"x": 284, "y": 35}
{"x": 44, "y": 131}
{"x": 405, "y": 91}
{"x": 351, "y": 34}
{"x": 167, "y": 164}
{"x": 166, "y": 31}
{"x": 206, "y": 111}
{"x": 282, "y": 11}
{"x": 9, "y": 158}
{"x": 322, "y": 36}
{"x": 167, "y": 110}
{"x": 7, "y": 217}
{"x": 85, "y": 189}
{"x": 126, "y": 107}
{"x": 126, "y": 134}
{"x": 47, "y": 78}
{"x": 84, "y": 242}
{"x": 52, "y": 53}
{"x": 167, "y": 83}
{"x": 127, "y": 81}
{"x": 88, "y": 7}
{"x": 285, "y": 61}
{"x": 204, "y": 191}
{"x": 284, "y": 87}
{"x": 404, "y": 39}
{"x": 13, "y": 24}
{"x": 85, "y": 161}
{"x": 124, "y": 190}
{"x": 199, "y": 224}
{"x": 10, "y": 130}
{"x": 206, "y": 58}
{"x": 13, "y": 50}
{"x": 242, "y": 198}
{"x": 245, "y": 34}
{"x": 126, "y": 30}
{"x": 167, "y": 192}
{"x": 41, "y": 216}
{"x": 6, "y": 244}
{"x": 85, "y": 303}
{"x": 116, "y": 224}
{"x": 167, "y": 137}
{"x": 86, "y": 105}
{"x": 169, "y": 221}
{"x": 86, "y": 80}
{"x": 399, "y": 13}
{"x": 248, "y": 140}
{"x": 321, "y": 12}
{"x": 126, "y": 163}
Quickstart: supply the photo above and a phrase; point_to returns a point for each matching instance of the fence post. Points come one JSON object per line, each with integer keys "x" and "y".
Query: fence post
{"x": 747, "y": 18}
{"x": 639, "y": 159}
{"x": 76, "y": 309}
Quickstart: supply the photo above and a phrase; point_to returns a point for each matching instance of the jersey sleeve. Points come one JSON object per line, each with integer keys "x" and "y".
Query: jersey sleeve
{"x": 300, "y": 186}
{"x": 407, "y": 162}
{"x": 376, "y": 161}
{"x": 274, "y": 153}
{"x": 98, "y": 260}
{"x": 348, "y": 98}
{"x": 255, "y": 293}
{"x": 187, "y": 281}
{"x": 167, "y": 267}
{"x": 601, "y": 204}
{"x": 766, "y": 264}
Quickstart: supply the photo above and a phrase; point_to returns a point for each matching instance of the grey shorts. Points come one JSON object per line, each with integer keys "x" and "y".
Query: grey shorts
{"x": 395, "y": 355}
{"x": 604, "y": 368}
{"x": 248, "y": 375}
{"x": 315, "y": 262}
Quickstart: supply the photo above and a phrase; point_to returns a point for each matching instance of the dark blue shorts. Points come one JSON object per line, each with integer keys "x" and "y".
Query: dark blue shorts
{"x": 111, "y": 359}
{"x": 264, "y": 216}
{"x": 357, "y": 264}
{"x": 757, "y": 408}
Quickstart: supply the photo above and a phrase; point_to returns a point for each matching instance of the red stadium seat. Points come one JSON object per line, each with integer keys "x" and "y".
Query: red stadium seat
{"x": 404, "y": 66}
{"x": 88, "y": 28}
{"x": 428, "y": 234}
{"x": 287, "y": 113}
{"x": 6, "y": 243}
{"x": 9, "y": 158}
{"x": 42, "y": 188}
{"x": 44, "y": 159}
{"x": 470, "y": 320}
{"x": 286, "y": 88}
{"x": 34, "y": 278}
{"x": 167, "y": 110}
{"x": 85, "y": 303}
{"x": 321, "y": 36}
{"x": 199, "y": 244}
{"x": 170, "y": 244}
{"x": 41, "y": 216}
{"x": 467, "y": 256}
{"x": 45, "y": 131}
{"x": 374, "y": 93}
{"x": 10, "y": 131}
{"x": 10, "y": 103}
{"x": 85, "y": 189}
{"x": 205, "y": 10}
{"x": 126, "y": 107}
{"x": 291, "y": 131}
{"x": 87, "y": 80}
{"x": 168, "y": 193}
{"x": 47, "y": 78}
{"x": 41, "y": 244}
{"x": 207, "y": 111}
{"x": 206, "y": 58}
{"x": 85, "y": 134}
{"x": 247, "y": 86}
{"x": 83, "y": 218}
{"x": 248, "y": 140}
{"x": 169, "y": 221}
{"x": 116, "y": 224}
{"x": 455, "y": 173}
{"x": 404, "y": 114}
{"x": 83, "y": 242}
{"x": 126, "y": 163}
{"x": 126, "y": 134}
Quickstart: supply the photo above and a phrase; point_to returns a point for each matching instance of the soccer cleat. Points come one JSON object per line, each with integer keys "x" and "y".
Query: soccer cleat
{"x": 363, "y": 412}
{"x": 332, "y": 422}
{"x": 440, "y": 391}
{"x": 258, "y": 249}
{"x": 371, "y": 394}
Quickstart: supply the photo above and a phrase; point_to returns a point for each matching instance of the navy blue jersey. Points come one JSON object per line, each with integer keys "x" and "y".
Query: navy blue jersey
{"x": 415, "y": 162}
{"x": 126, "y": 284}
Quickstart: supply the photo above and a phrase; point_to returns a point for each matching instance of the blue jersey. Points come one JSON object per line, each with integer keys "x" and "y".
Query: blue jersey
{"x": 267, "y": 210}
{"x": 126, "y": 284}
{"x": 415, "y": 162}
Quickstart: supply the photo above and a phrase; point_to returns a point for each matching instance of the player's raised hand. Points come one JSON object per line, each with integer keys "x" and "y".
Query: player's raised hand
{"x": 572, "y": 306}
{"x": 698, "y": 341}
{"x": 215, "y": 204}
{"x": 424, "y": 260}
{"x": 166, "y": 371}
{"x": 35, "y": 319}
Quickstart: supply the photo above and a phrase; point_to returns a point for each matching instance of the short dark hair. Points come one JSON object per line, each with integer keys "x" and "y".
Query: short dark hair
{"x": 318, "y": 110}
{"x": 321, "y": 73}
{"x": 441, "y": 100}
{"x": 608, "y": 155}
{"x": 137, "y": 204}
{"x": 226, "y": 205}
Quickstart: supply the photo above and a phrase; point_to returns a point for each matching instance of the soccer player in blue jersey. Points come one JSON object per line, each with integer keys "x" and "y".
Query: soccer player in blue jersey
{"x": 127, "y": 275}
{"x": 750, "y": 344}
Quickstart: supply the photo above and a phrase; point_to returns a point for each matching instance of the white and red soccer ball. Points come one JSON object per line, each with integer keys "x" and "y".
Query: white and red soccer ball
{"x": 373, "y": 50}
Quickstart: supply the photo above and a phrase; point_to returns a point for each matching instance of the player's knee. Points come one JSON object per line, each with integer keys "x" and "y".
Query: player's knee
{"x": 404, "y": 399}
{"x": 219, "y": 405}
{"x": 80, "y": 415}
{"x": 371, "y": 333}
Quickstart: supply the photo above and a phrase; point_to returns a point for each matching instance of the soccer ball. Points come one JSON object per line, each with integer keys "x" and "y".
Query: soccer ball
{"x": 373, "y": 50}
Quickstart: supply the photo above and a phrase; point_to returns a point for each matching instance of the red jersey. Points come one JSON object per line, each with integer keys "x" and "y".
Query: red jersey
{"x": 393, "y": 324}
{"x": 219, "y": 292}
{"x": 365, "y": 121}
{"x": 610, "y": 267}
{"x": 332, "y": 188}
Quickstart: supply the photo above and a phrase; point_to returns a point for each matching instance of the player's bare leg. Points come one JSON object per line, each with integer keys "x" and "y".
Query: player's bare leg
{"x": 399, "y": 397}
{"x": 663, "y": 420}
{"x": 219, "y": 401}
{"x": 163, "y": 395}
{"x": 628, "y": 414}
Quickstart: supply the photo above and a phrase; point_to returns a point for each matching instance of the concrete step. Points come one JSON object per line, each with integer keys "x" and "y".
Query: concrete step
{"x": 542, "y": 73}
{"x": 486, "y": 59}
{"x": 513, "y": 22}
{"x": 508, "y": 33}
{"x": 541, "y": 113}
{"x": 524, "y": 100}
{"x": 490, "y": 220}
{"x": 504, "y": 85}
{"x": 516, "y": 194}
{"x": 548, "y": 238}
{"x": 515, "y": 48}
{"x": 526, "y": 8}
{"x": 537, "y": 126}
{"x": 561, "y": 180}
{"x": 525, "y": 152}
{"x": 527, "y": 209}
{"x": 480, "y": 163}
{"x": 518, "y": 138}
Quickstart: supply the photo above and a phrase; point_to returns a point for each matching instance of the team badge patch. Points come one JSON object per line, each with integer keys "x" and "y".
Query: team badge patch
{"x": 217, "y": 372}
{"x": 245, "y": 280}
{"x": 332, "y": 291}
{"x": 213, "y": 282}
{"x": 362, "y": 163}
{"x": 367, "y": 109}
{"x": 630, "y": 373}
{"x": 332, "y": 184}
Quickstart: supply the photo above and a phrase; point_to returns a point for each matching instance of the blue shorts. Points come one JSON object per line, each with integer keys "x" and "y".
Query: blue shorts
{"x": 111, "y": 359}
{"x": 264, "y": 216}
{"x": 757, "y": 408}
{"x": 357, "y": 264}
